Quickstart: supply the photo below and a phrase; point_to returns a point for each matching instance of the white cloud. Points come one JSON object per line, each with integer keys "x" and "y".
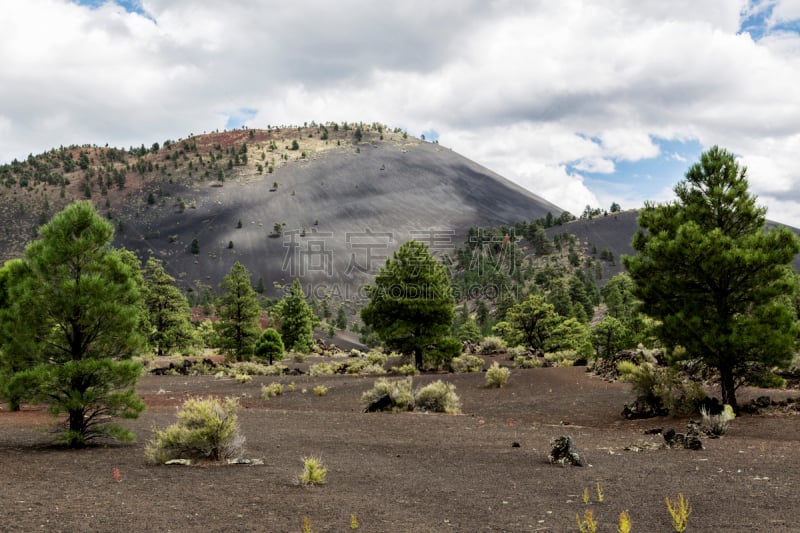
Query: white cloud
{"x": 539, "y": 92}
{"x": 784, "y": 11}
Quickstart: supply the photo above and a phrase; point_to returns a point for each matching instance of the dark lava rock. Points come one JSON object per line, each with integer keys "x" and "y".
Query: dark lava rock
{"x": 564, "y": 452}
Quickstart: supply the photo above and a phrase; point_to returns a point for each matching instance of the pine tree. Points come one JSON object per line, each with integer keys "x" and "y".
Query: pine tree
{"x": 341, "y": 318}
{"x": 269, "y": 346}
{"x": 239, "y": 312}
{"x": 580, "y": 299}
{"x": 609, "y": 336}
{"x": 532, "y": 321}
{"x": 74, "y": 310}
{"x": 559, "y": 297}
{"x": 411, "y": 303}
{"x": 714, "y": 276}
{"x": 168, "y": 310}
{"x": 297, "y": 320}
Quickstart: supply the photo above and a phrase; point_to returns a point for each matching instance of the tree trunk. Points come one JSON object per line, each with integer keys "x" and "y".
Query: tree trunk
{"x": 728, "y": 387}
{"x": 76, "y": 425}
{"x": 418, "y": 358}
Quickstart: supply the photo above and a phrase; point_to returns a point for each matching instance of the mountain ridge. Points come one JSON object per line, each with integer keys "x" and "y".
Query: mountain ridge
{"x": 268, "y": 197}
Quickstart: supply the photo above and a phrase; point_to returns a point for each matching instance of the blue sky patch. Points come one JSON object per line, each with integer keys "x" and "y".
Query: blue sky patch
{"x": 431, "y": 135}
{"x": 757, "y": 22}
{"x": 237, "y": 119}
{"x": 131, "y": 6}
{"x": 648, "y": 177}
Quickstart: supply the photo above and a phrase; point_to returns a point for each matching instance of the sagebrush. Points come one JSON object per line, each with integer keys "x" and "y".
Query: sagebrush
{"x": 497, "y": 376}
{"x": 466, "y": 363}
{"x": 389, "y": 395}
{"x": 207, "y": 428}
{"x": 438, "y": 397}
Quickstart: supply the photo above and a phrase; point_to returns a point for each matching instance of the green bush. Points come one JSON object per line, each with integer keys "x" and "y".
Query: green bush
{"x": 562, "y": 358}
{"x": 355, "y": 366}
{"x": 466, "y": 363}
{"x": 390, "y": 395}
{"x": 662, "y": 387}
{"x": 625, "y": 369}
{"x": 207, "y": 428}
{"x": 527, "y": 362}
{"x": 256, "y": 369}
{"x": 517, "y": 351}
{"x": 372, "y": 370}
{"x": 322, "y": 369}
{"x": 493, "y": 344}
{"x": 497, "y": 376}
{"x": 767, "y": 381}
{"x": 320, "y": 390}
{"x": 374, "y": 357}
{"x": 438, "y": 397}
{"x": 444, "y": 352}
{"x": 405, "y": 370}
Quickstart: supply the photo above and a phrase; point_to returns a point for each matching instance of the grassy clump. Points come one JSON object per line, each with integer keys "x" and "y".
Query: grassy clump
{"x": 320, "y": 390}
{"x": 497, "y": 376}
{"x": 207, "y": 428}
{"x": 438, "y": 397}
{"x": 389, "y": 395}
{"x": 256, "y": 369}
{"x": 588, "y": 524}
{"x": 405, "y": 370}
{"x": 322, "y": 369}
{"x": 466, "y": 363}
{"x": 273, "y": 389}
{"x": 314, "y": 471}
{"x": 372, "y": 370}
{"x": 717, "y": 424}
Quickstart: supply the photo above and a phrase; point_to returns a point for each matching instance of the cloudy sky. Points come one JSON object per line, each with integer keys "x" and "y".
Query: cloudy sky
{"x": 583, "y": 102}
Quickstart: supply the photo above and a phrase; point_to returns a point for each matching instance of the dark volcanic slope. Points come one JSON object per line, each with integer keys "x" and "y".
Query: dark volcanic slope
{"x": 356, "y": 205}
{"x": 615, "y": 232}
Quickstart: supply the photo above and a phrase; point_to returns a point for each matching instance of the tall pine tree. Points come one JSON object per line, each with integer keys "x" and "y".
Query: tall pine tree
{"x": 411, "y": 304}
{"x": 238, "y": 328}
{"x": 297, "y": 320}
{"x": 714, "y": 276}
{"x": 74, "y": 309}
{"x": 168, "y": 311}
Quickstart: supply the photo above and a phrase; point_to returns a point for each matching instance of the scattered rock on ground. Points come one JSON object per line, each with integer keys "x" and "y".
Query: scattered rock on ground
{"x": 564, "y": 452}
{"x": 680, "y": 440}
